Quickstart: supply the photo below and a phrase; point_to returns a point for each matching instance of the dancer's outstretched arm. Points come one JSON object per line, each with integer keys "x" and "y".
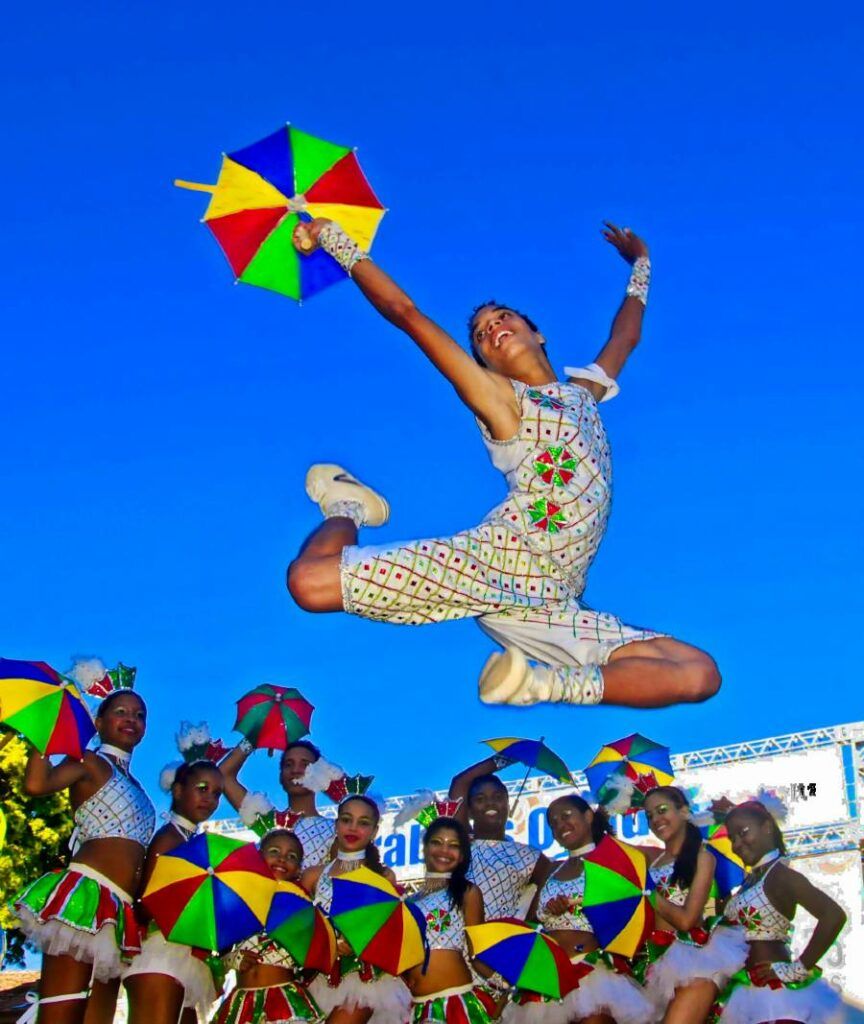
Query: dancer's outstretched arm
{"x": 627, "y": 325}
{"x": 487, "y": 394}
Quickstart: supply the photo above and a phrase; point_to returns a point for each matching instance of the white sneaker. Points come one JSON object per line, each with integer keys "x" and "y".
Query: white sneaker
{"x": 508, "y": 678}
{"x": 327, "y": 483}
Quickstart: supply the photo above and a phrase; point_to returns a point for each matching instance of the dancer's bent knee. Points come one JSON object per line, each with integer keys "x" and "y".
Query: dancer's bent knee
{"x": 314, "y": 584}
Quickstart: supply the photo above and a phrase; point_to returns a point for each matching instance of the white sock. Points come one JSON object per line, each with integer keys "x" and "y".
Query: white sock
{"x": 353, "y": 510}
{"x": 582, "y": 685}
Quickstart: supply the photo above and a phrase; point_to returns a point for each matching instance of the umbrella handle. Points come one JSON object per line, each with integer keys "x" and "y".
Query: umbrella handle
{"x": 194, "y": 186}
{"x": 7, "y": 739}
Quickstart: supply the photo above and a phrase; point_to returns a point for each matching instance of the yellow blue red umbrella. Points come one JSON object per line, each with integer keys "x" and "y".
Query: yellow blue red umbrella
{"x": 297, "y": 924}
{"x": 617, "y": 890}
{"x": 44, "y": 707}
{"x": 628, "y": 768}
{"x": 526, "y": 957}
{"x": 729, "y": 871}
{"x": 211, "y": 892}
{"x": 381, "y": 928}
{"x": 533, "y": 754}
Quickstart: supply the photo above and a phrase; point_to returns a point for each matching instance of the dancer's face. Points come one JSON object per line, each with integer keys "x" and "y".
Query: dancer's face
{"x": 442, "y": 851}
{"x": 570, "y": 826}
{"x": 488, "y": 809}
{"x": 751, "y": 836}
{"x": 356, "y": 826}
{"x": 295, "y": 761}
{"x": 665, "y": 819}
{"x": 501, "y": 336}
{"x": 197, "y": 797}
{"x": 283, "y": 855}
{"x": 123, "y": 722}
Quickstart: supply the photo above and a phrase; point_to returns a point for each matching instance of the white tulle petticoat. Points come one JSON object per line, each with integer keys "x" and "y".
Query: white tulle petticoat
{"x": 387, "y": 996}
{"x": 159, "y": 956}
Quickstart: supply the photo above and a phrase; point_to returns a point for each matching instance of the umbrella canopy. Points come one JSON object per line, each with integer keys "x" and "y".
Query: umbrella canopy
{"x": 633, "y": 763}
{"x": 266, "y": 189}
{"x": 45, "y": 707}
{"x": 210, "y": 892}
{"x": 533, "y": 754}
{"x": 617, "y": 887}
{"x": 297, "y": 924}
{"x": 729, "y": 870}
{"x": 381, "y": 928}
{"x": 526, "y": 957}
{"x": 273, "y": 716}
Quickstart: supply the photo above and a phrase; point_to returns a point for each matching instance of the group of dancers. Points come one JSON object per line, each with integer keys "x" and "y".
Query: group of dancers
{"x": 521, "y": 573}
{"x": 95, "y": 933}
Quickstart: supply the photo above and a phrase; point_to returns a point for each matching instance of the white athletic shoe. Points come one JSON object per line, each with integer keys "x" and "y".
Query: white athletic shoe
{"x": 327, "y": 483}
{"x": 508, "y": 678}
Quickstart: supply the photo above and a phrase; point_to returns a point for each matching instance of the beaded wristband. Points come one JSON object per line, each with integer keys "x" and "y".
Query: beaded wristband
{"x": 497, "y": 982}
{"x": 343, "y": 249}
{"x": 245, "y": 746}
{"x": 640, "y": 279}
{"x": 500, "y": 761}
{"x": 790, "y": 972}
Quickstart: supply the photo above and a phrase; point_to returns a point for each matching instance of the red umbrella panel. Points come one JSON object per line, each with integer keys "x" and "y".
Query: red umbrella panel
{"x": 272, "y": 716}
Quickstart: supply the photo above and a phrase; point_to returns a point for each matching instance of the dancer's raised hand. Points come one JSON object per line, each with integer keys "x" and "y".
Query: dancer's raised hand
{"x": 629, "y": 245}
{"x": 305, "y": 236}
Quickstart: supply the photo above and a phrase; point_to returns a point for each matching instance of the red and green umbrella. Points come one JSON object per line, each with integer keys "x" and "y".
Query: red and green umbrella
{"x": 381, "y": 928}
{"x": 265, "y": 190}
{"x": 526, "y": 957}
{"x": 729, "y": 870}
{"x": 632, "y": 766}
{"x": 44, "y": 707}
{"x": 533, "y": 754}
{"x": 617, "y": 890}
{"x": 297, "y": 924}
{"x": 272, "y": 716}
{"x": 210, "y": 892}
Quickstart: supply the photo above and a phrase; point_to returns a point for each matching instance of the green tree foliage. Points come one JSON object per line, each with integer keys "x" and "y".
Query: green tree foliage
{"x": 37, "y": 834}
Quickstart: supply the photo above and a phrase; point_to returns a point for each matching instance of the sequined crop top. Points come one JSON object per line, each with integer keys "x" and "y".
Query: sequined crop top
{"x": 669, "y": 890}
{"x": 573, "y": 920}
{"x": 761, "y": 920}
{"x": 270, "y": 953}
{"x": 445, "y": 925}
{"x": 118, "y": 810}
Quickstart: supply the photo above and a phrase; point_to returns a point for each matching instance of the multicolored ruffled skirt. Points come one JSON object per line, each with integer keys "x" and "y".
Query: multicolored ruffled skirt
{"x": 276, "y": 1004}
{"x": 188, "y": 967}
{"x": 78, "y": 912}
{"x": 466, "y": 1004}
{"x": 606, "y": 986}
{"x": 353, "y": 984}
{"x": 812, "y": 1001}
{"x": 672, "y": 959}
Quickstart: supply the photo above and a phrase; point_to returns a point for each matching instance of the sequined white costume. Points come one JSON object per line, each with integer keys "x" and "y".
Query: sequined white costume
{"x": 522, "y": 571}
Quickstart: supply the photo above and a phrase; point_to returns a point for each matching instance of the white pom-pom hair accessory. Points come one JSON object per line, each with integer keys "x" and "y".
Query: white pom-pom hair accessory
{"x": 168, "y": 775}
{"x": 320, "y": 774}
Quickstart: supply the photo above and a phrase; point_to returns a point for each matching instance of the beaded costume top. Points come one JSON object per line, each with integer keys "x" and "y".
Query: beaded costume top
{"x": 501, "y": 868}
{"x": 761, "y": 920}
{"x": 266, "y": 949}
{"x": 558, "y": 469}
{"x": 316, "y": 836}
{"x": 572, "y": 920}
{"x": 669, "y": 890}
{"x": 120, "y": 809}
{"x": 445, "y": 924}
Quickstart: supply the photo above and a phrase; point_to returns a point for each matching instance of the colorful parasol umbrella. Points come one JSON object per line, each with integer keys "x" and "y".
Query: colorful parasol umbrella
{"x": 533, "y": 754}
{"x": 525, "y": 956}
{"x": 729, "y": 871}
{"x": 272, "y": 716}
{"x": 632, "y": 766}
{"x": 297, "y": 924}
{"x": 617, "y": 887}
{"x": 45, "y": 707}
{"x": 266, "y": 189}
{"x": 210, "y": 892}
{"x": 381, "y": 928}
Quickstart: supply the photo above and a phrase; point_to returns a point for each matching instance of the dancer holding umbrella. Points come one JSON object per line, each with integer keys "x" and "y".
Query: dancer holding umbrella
{"x": 81, "y": 918}
{"x": 264, "y": 720}
{"x": 506, "y": 870}
{"x": 521, "y": 572}
{"x": 169, "y": 981}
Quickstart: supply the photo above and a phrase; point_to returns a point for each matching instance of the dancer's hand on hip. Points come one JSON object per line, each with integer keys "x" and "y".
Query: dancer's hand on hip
{"x": 628, "y": 244}
{"x": 305, "y": 236}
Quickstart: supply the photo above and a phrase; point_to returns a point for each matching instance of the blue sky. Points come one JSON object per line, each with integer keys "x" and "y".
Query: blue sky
{"x": 157, "y": 421}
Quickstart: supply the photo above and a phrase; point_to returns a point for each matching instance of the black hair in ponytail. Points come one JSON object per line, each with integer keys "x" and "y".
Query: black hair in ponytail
{"x": 458, "y": 883}
{"x": 758, "y": 810}
{"x": 600, "y": 823}
{"x": 684, "y": 870}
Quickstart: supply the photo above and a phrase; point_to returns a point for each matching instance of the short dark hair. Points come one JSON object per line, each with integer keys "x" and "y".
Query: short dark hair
{"x": 188, "y": 770}
{"x": 495, "y": 305}
{"x": 484, "y": 780}
{"x": 122, "y": 692}
{"x": 305, "y": 744}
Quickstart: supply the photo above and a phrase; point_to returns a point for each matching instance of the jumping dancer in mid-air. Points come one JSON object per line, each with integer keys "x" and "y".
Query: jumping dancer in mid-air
{"x": 521, "y": 572}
